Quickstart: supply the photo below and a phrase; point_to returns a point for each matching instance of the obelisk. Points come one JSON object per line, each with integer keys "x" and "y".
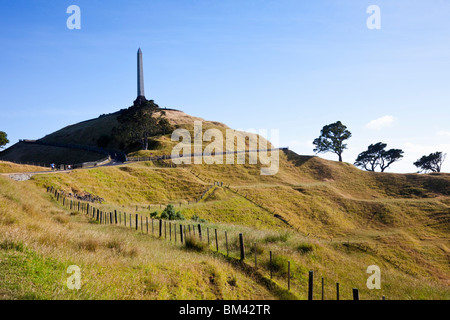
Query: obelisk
{"x": 140, "y": 80}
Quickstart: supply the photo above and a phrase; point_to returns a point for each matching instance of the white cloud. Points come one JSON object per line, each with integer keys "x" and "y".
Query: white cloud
{"x": 444, "y": 133}
{"x": 426, "y": 149}
{"x": 385, "y": 121}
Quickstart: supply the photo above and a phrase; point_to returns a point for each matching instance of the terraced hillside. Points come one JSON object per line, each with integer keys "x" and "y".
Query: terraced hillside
{"x": 351, "y": 218}
{"x": 317, "y": 214}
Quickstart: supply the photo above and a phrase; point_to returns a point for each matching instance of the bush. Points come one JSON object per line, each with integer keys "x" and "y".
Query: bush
{"x": 164, "y": 215}
{"x": 305, "y": 248}
{"x": 170, "y": 214}
{"x": 154, "y": 215}
{"x": 192, "y": 243}
{"x": 197, "y": 219}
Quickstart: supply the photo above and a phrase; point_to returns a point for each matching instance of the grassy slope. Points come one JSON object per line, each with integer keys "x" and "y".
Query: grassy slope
{"x": 348, "y": 218}
{"x": 9, "y": 167}
{"x": 39, "y": 239}
{"x": 399, "y": 222}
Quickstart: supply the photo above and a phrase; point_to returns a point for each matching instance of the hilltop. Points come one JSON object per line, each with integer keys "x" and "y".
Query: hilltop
{"x": 91, "y": 140}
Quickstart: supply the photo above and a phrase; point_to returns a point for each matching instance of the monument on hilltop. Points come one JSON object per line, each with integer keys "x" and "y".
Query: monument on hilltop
{"x": 140, "y": 81}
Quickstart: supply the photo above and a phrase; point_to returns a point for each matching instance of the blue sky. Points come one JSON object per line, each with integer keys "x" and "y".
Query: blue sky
{"x": 283, "y": 64}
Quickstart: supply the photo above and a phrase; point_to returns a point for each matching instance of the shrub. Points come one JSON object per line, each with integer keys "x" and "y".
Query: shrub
{"x": 305, "y": 248}
{"x": 164, "y": 215}
{"x": 170, "y": 214}
{"x": 192, "y": 243}
{"x": 196, "y": 218}
{"x": 154, "y": 214}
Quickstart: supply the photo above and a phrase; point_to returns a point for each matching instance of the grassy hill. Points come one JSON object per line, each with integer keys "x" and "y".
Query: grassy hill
{"x": 88, "y": 133}
{"x": 321, "y": 215}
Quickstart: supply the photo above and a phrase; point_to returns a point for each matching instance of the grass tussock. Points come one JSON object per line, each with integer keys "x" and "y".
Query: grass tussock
{"x": 194, "y": 244}
{"x": 305, "y": 248}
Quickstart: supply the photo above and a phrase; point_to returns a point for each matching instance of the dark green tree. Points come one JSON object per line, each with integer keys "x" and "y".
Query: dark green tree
{"x": 3, "y": 139}
{"x": 332, "y": 139}
{"x": 376, "y": 155}
{"x": 165, "y": 126}
{"x": 170, "y": 213}
{"x": 432, "y": 162}
{"x": 139, "y": 123}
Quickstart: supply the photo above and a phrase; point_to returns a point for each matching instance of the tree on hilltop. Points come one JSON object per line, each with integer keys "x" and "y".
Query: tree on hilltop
{"x": 332, "y": 139}
{"x": 139, "y": 123}
{"x": 3, "y": 139}
{"x": 432, "y": 162}
{"x": 376, "y": 155}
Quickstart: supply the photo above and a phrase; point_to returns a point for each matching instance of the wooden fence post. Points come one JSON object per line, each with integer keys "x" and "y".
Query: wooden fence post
{"x": 160, "y": 228}
{"x": 226, "y": 242}
{"x": 207, "y": 231}
{"x": 125, "y": 219}
{"x": 289, "y": 275}
{"x": 165, "y": 232}
{"x": 137, "y": 221}
{"x": 337, "y": 291}
{"x": 146, "y": 223}
{"x": 181, "y": 233}
{"x": 355, "y": 294}
{"x": 217, "y": 242}
{"x": 175, "y": 232}
{"x": 170, "y": 231}
{"x": 115, "y": 216}
{"x": 241, "y": 245}
{"x": 310, "y": 285}
{"x": 200, "y": 232}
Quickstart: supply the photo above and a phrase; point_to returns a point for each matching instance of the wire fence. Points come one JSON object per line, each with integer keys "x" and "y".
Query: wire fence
{"x": 274, "y": 268}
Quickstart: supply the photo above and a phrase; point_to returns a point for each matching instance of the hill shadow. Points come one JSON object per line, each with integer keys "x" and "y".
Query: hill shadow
{"x": 297, "y": 159}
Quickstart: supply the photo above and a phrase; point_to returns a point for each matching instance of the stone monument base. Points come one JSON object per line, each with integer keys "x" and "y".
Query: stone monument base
{"x": 139, "y": 101}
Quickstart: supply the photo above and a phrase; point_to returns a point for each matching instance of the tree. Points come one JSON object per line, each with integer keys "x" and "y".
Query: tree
{"x": 139, "y": 123}
{"x": 170, "y": 213}
{"x": 376, "y": 155}
{"x": 3, "y": 139}
{"x": 432, "y": 162}
{"x": 165, "y": 126}
{"x": 331, "y": 139}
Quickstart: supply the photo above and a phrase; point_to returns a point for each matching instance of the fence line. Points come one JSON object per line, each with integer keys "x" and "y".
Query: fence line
{"x": 187, "y": 234}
